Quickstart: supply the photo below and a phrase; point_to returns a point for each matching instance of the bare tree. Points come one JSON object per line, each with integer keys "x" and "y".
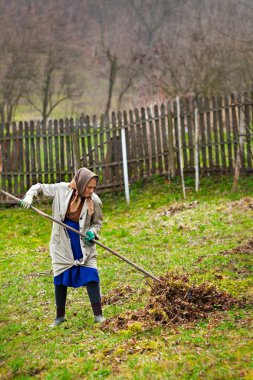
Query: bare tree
{"x": 115, "y": 28}
{"x": 155, "y": 25}
{"x": 56, "y": 78}
{"x": 195, "y": 57}
{"x": 15, "y": 60}
{"x": 143, "y": 48}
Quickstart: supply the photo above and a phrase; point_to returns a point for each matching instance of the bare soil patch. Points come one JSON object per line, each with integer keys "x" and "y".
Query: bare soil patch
{"x": 245, "y": 248}
{"x": 176, "y": 208}
{"x": 244, "y": 204}
{"x": 118, "y": 296}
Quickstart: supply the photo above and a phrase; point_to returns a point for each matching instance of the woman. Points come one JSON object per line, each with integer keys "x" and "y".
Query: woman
{"x": 73, "y": 258}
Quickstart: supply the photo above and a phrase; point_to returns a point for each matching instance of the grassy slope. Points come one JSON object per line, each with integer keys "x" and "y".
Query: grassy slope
{"x": 188, "y": 241}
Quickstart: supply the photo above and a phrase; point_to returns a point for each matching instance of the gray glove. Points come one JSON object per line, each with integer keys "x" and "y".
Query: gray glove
{"x": 27, "y": 201}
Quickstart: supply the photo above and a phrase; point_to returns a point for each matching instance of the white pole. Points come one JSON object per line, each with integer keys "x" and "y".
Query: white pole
{"x": 196, "y": 152}
{"x": 180, "y": 146}
{"x": 238, "y": 162}
{"x": 125, "y": 169}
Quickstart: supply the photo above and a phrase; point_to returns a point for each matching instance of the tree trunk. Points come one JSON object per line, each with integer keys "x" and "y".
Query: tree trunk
{"x": 112, "y": 78}
{"x": 46, "y": 90}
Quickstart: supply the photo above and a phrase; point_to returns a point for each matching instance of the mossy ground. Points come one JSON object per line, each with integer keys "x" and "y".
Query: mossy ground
{"x": 161, "y": 232}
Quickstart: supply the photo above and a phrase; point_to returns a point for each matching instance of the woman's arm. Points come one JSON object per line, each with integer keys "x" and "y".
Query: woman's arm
{"x": 97, "y": 218}
{"x": 39, "y": 189}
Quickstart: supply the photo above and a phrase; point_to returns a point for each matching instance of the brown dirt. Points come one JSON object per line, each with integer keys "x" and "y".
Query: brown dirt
{"x": 244, "y": 203}
{"x": 174, "y": 209}
{"x": 118, "y": 296}
{"x": 245, "y": 248}
{"x": 174, "y": 301}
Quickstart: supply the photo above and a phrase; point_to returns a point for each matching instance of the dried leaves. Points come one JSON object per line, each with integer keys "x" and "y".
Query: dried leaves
{"x": 176, "y": 301}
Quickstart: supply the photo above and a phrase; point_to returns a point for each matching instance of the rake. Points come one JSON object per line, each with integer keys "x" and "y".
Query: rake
{"x": 44, "y": 215}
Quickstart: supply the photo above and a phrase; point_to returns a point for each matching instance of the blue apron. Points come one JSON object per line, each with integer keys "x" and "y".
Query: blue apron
{"x": 76, "y": 276}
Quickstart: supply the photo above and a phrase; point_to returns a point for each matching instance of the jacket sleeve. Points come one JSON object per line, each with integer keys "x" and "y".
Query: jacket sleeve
{"x": 48, "y": 190}
{"x": 97, "y": 218}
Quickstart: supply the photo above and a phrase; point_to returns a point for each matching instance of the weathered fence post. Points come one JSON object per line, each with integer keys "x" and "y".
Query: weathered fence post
{"x": 180, "y": 146}
{"x": 196, "y": 145}
{"x": 239, "y": 148}
{"x": 172, "y": 164}
{"x": 75, "y": 145}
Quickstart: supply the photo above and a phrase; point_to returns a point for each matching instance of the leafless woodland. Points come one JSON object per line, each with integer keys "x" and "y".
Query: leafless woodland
{"x": 108, "y": 55}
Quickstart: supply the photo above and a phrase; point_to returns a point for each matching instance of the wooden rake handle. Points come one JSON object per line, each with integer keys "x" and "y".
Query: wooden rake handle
{"x": 44, "y": 215}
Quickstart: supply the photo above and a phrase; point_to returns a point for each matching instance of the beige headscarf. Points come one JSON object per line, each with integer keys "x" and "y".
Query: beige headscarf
{"x": 79, "y": 183}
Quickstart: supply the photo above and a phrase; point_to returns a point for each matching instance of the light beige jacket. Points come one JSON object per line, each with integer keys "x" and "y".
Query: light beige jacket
{"x": 60, "y": 248}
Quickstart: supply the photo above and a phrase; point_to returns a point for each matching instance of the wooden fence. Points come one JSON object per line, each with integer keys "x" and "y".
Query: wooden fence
{"x": 31, "y": 152}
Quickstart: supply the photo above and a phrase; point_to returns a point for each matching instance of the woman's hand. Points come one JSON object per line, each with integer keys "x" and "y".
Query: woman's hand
{"x": 89, "y": 237}
{"x": 27, "y": 201}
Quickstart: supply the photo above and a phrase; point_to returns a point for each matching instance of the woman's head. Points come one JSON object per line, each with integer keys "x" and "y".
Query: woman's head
{"x": 86, "y": 182}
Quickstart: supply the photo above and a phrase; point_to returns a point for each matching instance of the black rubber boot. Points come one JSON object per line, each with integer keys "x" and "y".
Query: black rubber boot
{"x": 93, "y": 290}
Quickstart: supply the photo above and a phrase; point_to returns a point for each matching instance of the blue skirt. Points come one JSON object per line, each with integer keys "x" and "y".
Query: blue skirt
{"x": 76, "y": 276}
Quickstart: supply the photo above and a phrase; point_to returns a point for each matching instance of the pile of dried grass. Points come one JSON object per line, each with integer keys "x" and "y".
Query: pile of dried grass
{"x": 175, "y": 300}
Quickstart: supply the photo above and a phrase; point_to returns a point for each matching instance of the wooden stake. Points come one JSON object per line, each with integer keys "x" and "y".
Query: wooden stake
{"x": 75, "y": 146}
{"x": 180, "y": 147}
{"x": 239, "y": 150}
{"x": 196, "y": 151}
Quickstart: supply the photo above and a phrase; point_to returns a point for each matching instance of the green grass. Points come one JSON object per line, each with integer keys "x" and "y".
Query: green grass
{"x": 189, "y": 241}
